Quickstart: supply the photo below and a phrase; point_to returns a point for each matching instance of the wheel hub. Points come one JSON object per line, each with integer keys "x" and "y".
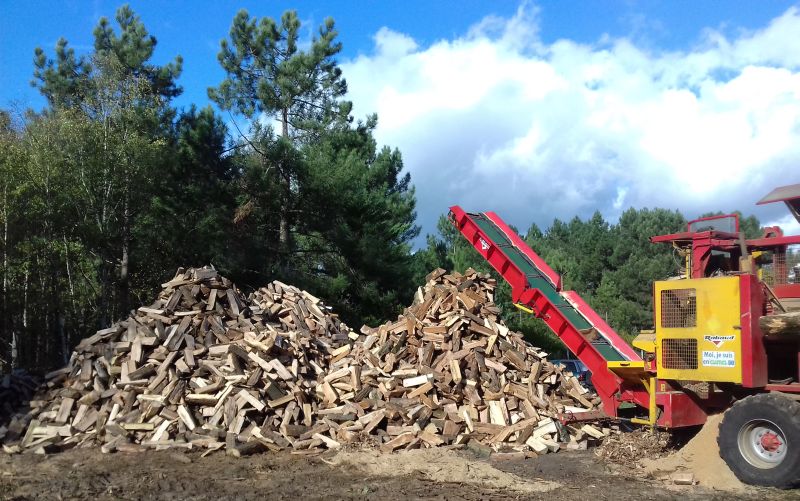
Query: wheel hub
{"x": 762, "y": 443}
{"x": 770, "y": 442}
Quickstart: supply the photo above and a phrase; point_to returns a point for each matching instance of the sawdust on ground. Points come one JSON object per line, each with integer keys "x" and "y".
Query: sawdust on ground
{"x": 439, "y": 465}
{"x": 700, "y": 456}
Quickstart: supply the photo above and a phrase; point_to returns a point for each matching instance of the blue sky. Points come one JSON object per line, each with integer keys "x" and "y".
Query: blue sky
{"x": 535, "y": 110}
{"x": 194, "y": 29}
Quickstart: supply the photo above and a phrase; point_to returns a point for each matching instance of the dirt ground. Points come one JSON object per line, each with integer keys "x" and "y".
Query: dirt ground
{"x": 434, "y": 474}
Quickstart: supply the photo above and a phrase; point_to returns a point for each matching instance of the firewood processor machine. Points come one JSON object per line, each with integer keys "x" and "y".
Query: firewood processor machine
{"x": 726, "y": 337}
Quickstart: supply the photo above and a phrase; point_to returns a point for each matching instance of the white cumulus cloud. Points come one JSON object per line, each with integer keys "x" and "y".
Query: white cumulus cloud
{"x": 498, "y": 120}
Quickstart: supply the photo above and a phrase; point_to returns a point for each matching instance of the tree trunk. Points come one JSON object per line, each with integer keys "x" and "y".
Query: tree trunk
{"x": 43, "y": 333}
{"x": 284, "y": 226}
{"x": 62, "y": 336}
{"x": 124, "y": 265}
{"x": 5, "y": 312}
{"x": 15, "y": 355}
{"x": 782, "y": 324}
{"x": 74, "y": 308}
{"x": 105, "y": 294}
{"x": 69, "y": 278}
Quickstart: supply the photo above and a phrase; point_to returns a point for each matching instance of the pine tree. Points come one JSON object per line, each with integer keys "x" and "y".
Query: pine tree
{"x": 360, "y": 213}
{"x": 70, "y": 80}
{"x": 345, "y": 211}
{"x": 268, "y": 74}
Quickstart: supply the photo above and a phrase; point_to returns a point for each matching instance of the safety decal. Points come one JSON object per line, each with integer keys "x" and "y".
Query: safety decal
{"x": 719, "y": 359}
{"x": 718, "y": 340}
{"x": 484, "y": 245}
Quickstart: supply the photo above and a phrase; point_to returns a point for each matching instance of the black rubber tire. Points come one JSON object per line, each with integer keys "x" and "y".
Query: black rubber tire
{"x": 780, "y": 410}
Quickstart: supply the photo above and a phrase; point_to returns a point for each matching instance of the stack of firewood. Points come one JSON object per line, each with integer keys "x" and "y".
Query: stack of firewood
{"x": 448, "y": 371}
{"x": 205, "y": 367}
{"x": 201, "y": 367}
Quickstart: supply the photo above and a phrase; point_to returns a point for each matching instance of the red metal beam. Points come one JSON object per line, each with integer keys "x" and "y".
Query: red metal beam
{"x": 773, "y": 242}
{"x": 754, "y": 355}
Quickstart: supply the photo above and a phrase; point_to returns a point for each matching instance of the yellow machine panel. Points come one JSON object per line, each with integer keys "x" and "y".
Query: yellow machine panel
{"x": 698, "y": 333}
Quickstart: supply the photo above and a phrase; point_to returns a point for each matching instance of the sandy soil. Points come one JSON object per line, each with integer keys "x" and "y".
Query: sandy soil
{"x": 700, "y": 456}
{"x": 434, "y": 474}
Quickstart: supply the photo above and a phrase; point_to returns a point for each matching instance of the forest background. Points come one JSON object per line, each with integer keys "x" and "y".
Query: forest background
{"x": 110, "y": 188}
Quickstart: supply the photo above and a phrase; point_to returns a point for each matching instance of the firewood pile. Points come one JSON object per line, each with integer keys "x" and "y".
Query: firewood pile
{"x": 204, "y": 367}
{"x": 201, "y": 367}
{"x": 448, "y": 371}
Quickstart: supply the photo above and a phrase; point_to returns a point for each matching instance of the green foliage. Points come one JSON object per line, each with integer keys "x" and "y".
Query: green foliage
{"x": 63, "y": 81}
{"x": 71, "y": 81}
{"x": 111, "y": 188}
{"x": 355, "y": 245}
{"x": 133, "y": 48}
{"x": 261, "y": 202}
{"x": 578, "y": 250}
{"x": 269, "y": 76}
{"x": 268, "y": 73}
{"x": 187, "y": 221}
{"x": 85, "y": 177}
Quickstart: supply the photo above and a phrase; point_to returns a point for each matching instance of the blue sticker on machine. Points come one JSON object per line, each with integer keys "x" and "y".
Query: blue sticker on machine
{"x": 719, "y": 359}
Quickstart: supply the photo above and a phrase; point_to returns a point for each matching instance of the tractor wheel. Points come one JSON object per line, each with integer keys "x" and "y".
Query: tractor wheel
{"x": 759, "y": 439}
